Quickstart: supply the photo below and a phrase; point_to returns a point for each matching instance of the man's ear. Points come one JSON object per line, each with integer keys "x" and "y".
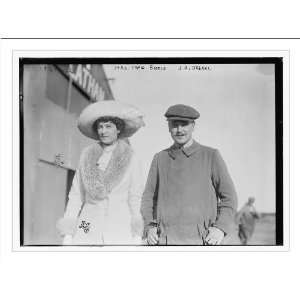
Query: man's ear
{"x": 169, "y": 126}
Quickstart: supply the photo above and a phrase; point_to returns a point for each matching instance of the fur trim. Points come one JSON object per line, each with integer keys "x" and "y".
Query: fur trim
{"x": 99, "y": 183}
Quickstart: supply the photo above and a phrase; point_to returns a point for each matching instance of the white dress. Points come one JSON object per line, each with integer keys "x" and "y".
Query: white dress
{"x": 107, "y": 221}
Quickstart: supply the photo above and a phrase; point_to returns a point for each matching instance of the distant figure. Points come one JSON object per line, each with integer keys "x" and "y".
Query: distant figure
{"x": 246, "y": 219}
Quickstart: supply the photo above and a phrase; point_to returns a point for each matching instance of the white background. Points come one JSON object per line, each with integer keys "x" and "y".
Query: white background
{"x": 151, "y": 275}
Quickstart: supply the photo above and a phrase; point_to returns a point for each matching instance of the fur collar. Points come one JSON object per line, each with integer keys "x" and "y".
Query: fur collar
{"x": 99, "y": 183}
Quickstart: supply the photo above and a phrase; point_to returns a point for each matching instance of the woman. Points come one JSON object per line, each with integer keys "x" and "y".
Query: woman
{"x": 104, "y": 200}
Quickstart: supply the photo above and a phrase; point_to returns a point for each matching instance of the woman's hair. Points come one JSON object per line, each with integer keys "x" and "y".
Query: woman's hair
{"x": 120, "y": 124}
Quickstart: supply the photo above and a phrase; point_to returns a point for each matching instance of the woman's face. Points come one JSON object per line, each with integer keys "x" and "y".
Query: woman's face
{"x": 108, "y": 132}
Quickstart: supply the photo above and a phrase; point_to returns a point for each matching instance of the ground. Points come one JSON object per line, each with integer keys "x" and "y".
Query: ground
{"x": 264, "y": 233}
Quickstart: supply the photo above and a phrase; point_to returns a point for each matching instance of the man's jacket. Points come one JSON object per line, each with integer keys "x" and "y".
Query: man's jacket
{"x": 187, "y": 191}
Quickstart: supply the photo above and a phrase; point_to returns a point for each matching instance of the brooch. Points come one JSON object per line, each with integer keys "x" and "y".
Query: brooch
{"x": 85, "y": 226}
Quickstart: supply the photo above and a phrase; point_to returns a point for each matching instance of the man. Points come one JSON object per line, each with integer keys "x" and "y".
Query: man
{"x": 246, "y": 218}
{"x": 189, "y": 197}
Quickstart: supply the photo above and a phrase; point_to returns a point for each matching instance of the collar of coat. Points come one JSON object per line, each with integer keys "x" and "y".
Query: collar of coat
{"x": 188, "y": 151}
{"x": 100, "y": 183}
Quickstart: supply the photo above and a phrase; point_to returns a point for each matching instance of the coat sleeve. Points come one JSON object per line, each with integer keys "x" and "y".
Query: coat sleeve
{"x": 135, "y": 192}
{"x": 149, "y": 198}
{"x": 136, "y": 187}
{"x": 227, "y": 198}
{"x": 67, "y": 224}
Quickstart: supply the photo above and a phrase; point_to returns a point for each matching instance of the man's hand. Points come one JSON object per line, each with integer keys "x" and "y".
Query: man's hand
{"x": 215, "y": 236}
{"x": 152, "y": 236}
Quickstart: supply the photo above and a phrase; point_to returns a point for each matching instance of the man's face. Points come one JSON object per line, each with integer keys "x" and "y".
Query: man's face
{"x": 181, "y": 131}
{"x": 108, "y": 133}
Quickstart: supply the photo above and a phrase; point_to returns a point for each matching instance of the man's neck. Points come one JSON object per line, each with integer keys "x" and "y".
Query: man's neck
{"x": 186, "y": 145}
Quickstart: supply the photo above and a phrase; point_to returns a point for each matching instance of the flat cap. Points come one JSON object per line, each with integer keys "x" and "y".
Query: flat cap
{"x": 181, "y": 112}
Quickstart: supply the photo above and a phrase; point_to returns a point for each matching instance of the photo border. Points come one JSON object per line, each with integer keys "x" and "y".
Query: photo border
{"x": 281, "y": 118}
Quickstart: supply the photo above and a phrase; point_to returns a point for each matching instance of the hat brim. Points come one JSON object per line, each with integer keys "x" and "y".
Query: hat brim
{"x": 180, "y": 119}
{"x": 131, "y": 116}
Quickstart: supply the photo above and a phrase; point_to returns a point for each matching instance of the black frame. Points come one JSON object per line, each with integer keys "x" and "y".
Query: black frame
{"x": 277, "y": 61}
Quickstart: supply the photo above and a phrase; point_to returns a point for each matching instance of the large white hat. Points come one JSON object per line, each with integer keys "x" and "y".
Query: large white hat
{"x": 131, "y": 116}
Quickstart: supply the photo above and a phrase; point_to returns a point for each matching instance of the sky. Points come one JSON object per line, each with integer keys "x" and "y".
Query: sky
{"x": 237, "y": 116}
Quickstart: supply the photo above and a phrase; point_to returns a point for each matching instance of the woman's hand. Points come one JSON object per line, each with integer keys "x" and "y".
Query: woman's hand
{"x": 67, "y": 240}
{"x": 137, "y": 225}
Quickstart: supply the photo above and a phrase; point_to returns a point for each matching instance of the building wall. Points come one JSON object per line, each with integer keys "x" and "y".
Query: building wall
{"x": 52, "y": 146}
